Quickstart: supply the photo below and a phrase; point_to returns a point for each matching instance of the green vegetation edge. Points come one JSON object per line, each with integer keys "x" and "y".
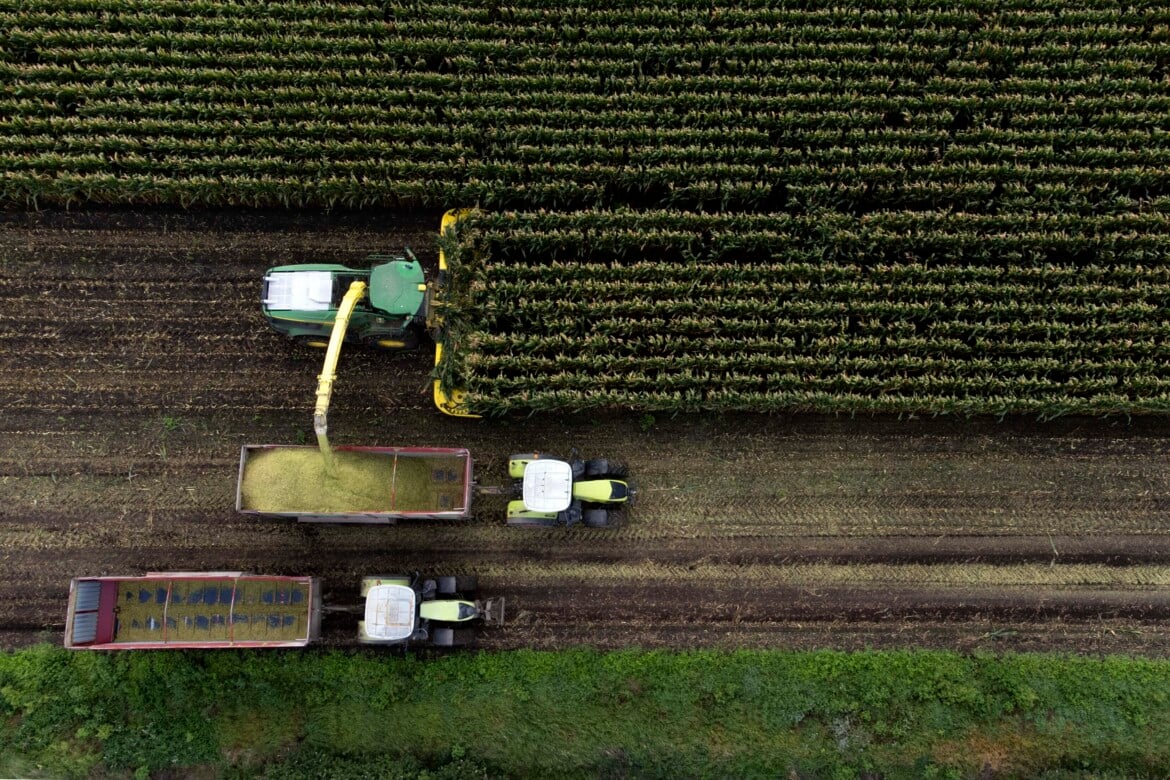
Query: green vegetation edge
{"x": 580, "y": 713}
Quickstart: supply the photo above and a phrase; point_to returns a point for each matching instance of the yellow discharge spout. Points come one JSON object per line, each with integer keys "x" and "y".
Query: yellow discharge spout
{"x": 356, "y": 292}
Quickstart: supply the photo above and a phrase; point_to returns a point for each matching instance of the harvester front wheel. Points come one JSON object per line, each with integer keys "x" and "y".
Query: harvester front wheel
{"x": 315, "y": 342}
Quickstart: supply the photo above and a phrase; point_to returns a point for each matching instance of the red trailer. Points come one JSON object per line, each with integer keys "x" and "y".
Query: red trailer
{"x": 173, "y": 610}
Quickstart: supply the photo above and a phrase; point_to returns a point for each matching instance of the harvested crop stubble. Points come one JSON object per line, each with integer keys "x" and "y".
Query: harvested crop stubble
{"x": 296, "y": 480}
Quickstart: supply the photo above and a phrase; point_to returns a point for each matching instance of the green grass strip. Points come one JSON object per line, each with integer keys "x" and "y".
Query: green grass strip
{"x": 580, "y": 713}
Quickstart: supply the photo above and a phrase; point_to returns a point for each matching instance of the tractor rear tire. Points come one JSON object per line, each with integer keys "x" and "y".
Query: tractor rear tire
{"x": 452, "y": 637}
{"x": 532, "y": 522}
{"x": 596, "y": 518}
{"x": 450, "y": 585}
{"x": 605, "y": 467}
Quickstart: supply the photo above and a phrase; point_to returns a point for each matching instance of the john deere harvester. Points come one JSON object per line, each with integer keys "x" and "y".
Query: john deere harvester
{"x": 302, "y": 301}
{"x": 391, "y": 305}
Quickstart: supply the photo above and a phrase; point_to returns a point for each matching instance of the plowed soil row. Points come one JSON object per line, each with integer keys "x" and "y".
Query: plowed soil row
{"x": 137, "y": 363}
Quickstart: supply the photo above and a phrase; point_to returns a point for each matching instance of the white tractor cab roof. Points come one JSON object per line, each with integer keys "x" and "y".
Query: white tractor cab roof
{"x": 548, "y": 485}
{"x": 390, "y": 612}
{"x": 300, "y": 291}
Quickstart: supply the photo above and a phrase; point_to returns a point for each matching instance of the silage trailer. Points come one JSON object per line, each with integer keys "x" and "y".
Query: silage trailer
{"x": 366, "y": 485}
{"x": 217, "y": 610}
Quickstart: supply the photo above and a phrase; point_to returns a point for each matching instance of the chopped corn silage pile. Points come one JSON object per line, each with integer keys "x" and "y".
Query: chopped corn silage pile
{"x": 297, "y": 480}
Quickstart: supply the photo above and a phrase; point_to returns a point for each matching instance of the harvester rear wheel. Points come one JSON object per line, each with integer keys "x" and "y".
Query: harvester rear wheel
{"x": 314, "y": 342}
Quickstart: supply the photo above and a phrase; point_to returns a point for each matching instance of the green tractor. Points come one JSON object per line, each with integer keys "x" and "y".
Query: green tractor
{"x": 556, "y": 492}
{"x": 439, "y": 611}
{"x": 302, "y": 301}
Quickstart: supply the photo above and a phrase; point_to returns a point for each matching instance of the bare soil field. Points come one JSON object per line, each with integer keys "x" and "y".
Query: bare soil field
{"x": 136, "y": 362}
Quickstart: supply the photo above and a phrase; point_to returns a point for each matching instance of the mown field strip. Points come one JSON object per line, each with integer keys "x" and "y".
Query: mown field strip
{"x": 917, "y": 499}
{"x": 169, "y": 481}
{"x": 100, "y": 310}
{"x": 104, "y": 380}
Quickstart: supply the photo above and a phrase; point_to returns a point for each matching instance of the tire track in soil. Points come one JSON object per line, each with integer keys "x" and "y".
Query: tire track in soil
{"x": 118, "y": 321}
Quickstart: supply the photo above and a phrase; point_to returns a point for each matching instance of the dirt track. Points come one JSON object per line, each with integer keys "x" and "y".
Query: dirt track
{"x": 137, "y": 363}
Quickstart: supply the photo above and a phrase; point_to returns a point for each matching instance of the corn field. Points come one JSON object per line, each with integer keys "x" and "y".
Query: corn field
{"x": 939, "y": 313}
{"x": 911, "y": 206}
{"x": 967, "y": 105}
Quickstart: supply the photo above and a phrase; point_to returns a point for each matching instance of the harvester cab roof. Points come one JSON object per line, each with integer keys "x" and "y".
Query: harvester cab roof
{"x": 397, "y": 287}
{"x": 299, "y": 290}
{"x": 390, "y": 304}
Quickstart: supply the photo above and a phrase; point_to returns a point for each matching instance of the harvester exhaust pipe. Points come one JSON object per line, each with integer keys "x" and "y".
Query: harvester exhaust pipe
{"x": 328, "y": 375}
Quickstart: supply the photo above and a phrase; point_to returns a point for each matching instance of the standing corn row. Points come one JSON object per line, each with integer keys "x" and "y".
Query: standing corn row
{"x": 819, "y": 313}
{"x": 969, "y": 105}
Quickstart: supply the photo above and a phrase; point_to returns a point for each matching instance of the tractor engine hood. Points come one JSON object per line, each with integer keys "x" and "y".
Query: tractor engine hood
{"x": 398, "y": 288}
